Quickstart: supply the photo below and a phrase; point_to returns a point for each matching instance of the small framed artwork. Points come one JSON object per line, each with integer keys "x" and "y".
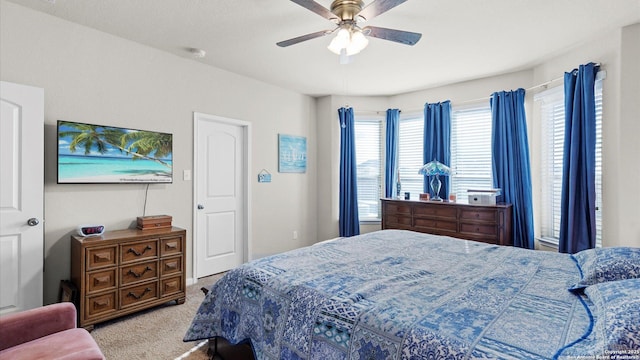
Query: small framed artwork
{"x": 67, "y": 291}
{"x": 292, "y": 154}
{"x": 264, "y": 176}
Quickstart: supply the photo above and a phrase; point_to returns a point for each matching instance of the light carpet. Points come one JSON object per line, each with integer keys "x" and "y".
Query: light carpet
{"x": 155, "y": 333}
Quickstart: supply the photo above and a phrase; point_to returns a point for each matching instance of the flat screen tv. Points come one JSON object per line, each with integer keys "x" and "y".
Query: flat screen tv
{"x": 98, "y": 154}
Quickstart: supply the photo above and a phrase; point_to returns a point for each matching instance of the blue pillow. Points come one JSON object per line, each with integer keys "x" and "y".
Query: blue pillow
{"x": 615, "y": 328}
{"x": 606, "y": 264}
{"x": 617, "y": 315}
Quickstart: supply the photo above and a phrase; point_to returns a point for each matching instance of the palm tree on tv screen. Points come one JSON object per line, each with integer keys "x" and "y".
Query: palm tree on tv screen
{"x": 140, "y": 144}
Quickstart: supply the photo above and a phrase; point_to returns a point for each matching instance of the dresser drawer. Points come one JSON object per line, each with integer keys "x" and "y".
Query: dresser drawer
{"x": 170, "y": 266}
{"x": 139, "y": 294}
{"x": 397, "y": 208}
{"x": 434, "y": 224}
{"x": 139, "y": 251}
{"x": 101, "y": 257}
{"x": 442, "y": 211}
{"x": 487, "y": 223}
{"x": 99, "y": 305}
{"x": 138, "y": 272}
{"x": 479, "y": 229}
{"x": 171, "y": 246}
{"x": 480, "y": 215}
{"x": 171, "y": 286}
{"x": 101, "y": 280}
{"x": 397, "y": 220}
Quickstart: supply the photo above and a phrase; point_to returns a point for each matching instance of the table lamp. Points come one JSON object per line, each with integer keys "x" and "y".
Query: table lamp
{"x": 435, "y": 169}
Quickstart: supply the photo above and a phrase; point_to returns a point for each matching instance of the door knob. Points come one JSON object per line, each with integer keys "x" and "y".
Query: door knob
{"x": 200, "y": 207}
{"x": 33, "y": 222}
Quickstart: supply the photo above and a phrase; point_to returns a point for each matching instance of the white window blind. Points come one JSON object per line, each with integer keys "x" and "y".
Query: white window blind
{"x": 369, "y": 140}
{"x": 410, "y": 137}
{"x": 470, "y": 150}
{"x": 551, "y": 104}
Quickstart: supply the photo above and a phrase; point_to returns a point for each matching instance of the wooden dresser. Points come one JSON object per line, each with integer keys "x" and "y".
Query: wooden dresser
{"x": 125, "y": 271}
{"x": 486, "y": 223}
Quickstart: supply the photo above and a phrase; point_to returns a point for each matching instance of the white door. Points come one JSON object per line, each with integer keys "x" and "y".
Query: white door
{"x": 21, "y": 197}
{"x": 221, "y": 165}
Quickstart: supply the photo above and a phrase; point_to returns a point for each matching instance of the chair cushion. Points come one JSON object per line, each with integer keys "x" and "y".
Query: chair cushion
{"x": 70, "y": 344}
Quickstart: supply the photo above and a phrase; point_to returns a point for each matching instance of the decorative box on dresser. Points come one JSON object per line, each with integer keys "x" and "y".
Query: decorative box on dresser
{"x": 125, "y": 271}
{"x": 486, "y": 223}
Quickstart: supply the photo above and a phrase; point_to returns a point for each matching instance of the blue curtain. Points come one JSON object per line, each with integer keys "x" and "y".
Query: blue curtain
{"x": 349, "y": 221}
{"x": 437, "y": 141}
{"x": 578, "y": 204}
{"x": 510, "y": 158}
{"x": 391, "y": 158}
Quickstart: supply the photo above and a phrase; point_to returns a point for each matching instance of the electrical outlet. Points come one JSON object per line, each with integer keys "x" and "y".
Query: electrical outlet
{"x": 295, "y": 234}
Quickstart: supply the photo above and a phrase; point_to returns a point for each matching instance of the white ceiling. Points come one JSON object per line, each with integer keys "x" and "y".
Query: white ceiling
{"x": 461, "y": 39}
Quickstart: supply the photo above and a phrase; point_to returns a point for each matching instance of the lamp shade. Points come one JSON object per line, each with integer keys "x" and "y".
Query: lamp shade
{"x": 434, "y": 168}
{"x": 358, "y": 42}
{"x": 341, "y": 41}
{"x": 349, "y": 40}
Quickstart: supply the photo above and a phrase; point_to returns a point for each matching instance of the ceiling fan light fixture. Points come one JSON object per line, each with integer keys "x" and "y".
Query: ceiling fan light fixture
{"x": 350, "y": 40}
{"x": 358, "y": 42}
{"x": 341, "y": 41}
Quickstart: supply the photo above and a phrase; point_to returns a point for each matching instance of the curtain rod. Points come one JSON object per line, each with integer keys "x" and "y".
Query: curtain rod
{"x": 544, "y": 85}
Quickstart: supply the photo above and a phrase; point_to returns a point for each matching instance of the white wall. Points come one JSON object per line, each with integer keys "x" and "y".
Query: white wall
{"x": 90, "y": 76}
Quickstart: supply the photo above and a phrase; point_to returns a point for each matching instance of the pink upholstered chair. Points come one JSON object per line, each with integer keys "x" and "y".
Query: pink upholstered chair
{"x": 48, "y": 332}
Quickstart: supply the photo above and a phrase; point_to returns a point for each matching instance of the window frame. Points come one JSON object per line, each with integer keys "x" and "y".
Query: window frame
{"x": 549, "y": 221}
{"x": 455, "y": 185}
{"x": 381, "y": 121}
{"x": 409, "y": 169}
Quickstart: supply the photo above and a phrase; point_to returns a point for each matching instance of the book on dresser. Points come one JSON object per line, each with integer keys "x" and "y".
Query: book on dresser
{"x": 485, "y": 223}
{"x": 125, "y": 271}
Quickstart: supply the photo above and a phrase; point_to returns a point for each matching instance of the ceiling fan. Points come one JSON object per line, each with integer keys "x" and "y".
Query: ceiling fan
{"x": 346, "y": 14}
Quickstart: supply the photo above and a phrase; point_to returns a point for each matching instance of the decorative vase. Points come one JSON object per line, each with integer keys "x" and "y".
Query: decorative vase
{"x": 435, "y": 187}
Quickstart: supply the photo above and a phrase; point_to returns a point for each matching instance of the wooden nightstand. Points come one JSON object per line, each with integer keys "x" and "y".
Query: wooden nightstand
{"x": 125, "y": 271}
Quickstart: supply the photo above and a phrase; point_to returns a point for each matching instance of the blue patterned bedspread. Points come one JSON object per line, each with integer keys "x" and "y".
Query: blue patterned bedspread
{"x": 397, "y": 294}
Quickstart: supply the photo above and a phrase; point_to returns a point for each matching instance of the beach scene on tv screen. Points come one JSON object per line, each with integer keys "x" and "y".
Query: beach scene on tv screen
{"x": 102, "y": 154}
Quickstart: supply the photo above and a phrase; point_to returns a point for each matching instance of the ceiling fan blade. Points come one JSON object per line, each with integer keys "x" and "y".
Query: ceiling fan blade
{"x": 399, "y": 36}
{"x": 302, "y": 38}
{"x": 317, "y": 8}
{"x": 378, "y": 7}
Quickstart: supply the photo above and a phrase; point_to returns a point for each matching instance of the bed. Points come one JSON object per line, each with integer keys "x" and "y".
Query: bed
{"x": 396, "y": 294}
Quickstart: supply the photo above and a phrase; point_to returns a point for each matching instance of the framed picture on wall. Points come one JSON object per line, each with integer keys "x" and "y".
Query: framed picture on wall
{"x": 292, "y": 154}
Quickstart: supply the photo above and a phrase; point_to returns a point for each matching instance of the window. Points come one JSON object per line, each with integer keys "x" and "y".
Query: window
{"x": 369, "y": 159}
{"x": 470, "y": 150}
{"x": 470, "y": 155}
{"x": 551, "y": 105}
{"x": 410, "y": 152}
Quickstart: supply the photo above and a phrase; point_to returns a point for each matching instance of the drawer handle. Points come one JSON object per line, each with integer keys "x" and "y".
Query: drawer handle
{"x": 138, "y": 297}
{"x": 171, "y": 265}
{"x": 132, "y": 250}
{"x": 100, "y": 303}
{"x": 101, "y": 280}
{"x": 131, "y": 272}
{"x": 105, "y": 256}
{"x": 172, "y": 245}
